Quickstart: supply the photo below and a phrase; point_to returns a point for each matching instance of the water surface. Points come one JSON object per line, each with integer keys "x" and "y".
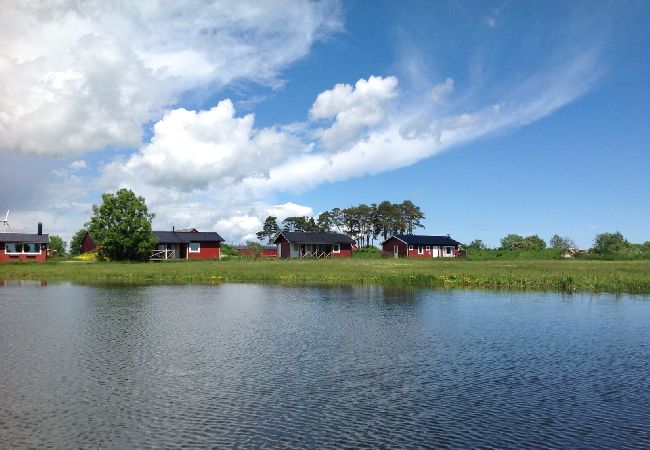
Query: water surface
{"x": 252, "y": 365}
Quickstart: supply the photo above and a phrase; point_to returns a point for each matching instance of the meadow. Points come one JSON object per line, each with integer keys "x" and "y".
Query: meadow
{"x": 571, "y": 275}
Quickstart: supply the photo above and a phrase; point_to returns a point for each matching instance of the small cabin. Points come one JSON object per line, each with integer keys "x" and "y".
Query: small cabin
{"x": 186, "y": 245}
{"x": 297, "y": 244}
{"x": 418, "y": 246}
{"x": 24, "y": 246}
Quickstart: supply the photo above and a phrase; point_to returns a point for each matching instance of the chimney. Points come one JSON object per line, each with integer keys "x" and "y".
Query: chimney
{"x": 173, "y": 228}
{"x": 40, "y": 228}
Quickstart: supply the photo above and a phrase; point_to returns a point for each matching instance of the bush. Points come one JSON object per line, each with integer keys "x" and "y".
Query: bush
{"x": 367, "y": 252}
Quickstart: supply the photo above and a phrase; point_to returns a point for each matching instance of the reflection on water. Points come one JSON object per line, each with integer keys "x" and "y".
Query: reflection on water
{"x": 252, "y": 365}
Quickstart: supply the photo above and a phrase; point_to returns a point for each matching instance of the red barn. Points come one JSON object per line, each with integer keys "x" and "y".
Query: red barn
{"x": 414, "y": 246}
{"x": 187, "y": 245}
{"x": 295, "y": 244}
{"x": 24, "y": 246}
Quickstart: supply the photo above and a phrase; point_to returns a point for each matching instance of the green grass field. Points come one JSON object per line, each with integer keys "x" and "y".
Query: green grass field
{"x": 558, "y": 275}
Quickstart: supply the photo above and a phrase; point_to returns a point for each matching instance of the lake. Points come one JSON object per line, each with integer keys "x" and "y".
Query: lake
{"x": 242, "y": 365}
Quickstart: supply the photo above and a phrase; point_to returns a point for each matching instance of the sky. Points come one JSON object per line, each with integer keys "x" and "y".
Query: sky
{"x": 527, "y": 117}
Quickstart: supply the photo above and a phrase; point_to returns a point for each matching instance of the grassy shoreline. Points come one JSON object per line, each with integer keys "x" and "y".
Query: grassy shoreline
{"x": 555, "y": 275}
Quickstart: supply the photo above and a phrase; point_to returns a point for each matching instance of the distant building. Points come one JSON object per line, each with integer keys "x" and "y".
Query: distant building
{"x": 295, "y": 244}
{"x": 187, "y": 243}
{"x": 24, "y": 246}
{"x": 417, "y": 246}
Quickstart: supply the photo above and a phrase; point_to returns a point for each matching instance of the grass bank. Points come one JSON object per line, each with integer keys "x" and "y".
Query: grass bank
{"x": 558, "y": 275}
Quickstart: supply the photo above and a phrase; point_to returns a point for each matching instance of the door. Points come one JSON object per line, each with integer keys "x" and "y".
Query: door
{"x": 396, "y": 251}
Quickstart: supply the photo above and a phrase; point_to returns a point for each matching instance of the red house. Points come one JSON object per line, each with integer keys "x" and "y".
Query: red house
{"x": 295, "y": 244}
{"x": 187, "y": 245}
{"x": 24, "y": 246}
{"x": 182, "y": 244}
{"x": 414, "y": 246}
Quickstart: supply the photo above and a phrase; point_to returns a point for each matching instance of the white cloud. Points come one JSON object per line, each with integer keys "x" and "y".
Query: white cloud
{"x": 440, "y": 91}
{"x": 191, "y": 150}
{"x": 352, "y": 108}
{"x": 78, "y": 165}
{"x": 77, "y": 76}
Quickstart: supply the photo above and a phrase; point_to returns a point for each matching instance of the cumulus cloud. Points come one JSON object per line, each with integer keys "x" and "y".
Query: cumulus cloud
{"x": 353, "y": 109}
{"x": 80, "y": 76}
{"x": 191, "y": 150}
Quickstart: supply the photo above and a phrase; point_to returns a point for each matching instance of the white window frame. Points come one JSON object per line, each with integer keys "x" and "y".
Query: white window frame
{"x": 336, "y": 248}
{"x": 449, "y": 250}
{"x": 420, "y": 250}
{"x": 410, "y": 247}
{"x": 189, "y": 247}
{"x": 22, "y": 251}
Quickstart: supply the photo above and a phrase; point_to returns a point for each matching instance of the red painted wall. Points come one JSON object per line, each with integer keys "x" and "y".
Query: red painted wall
{"x": 88, "y": 245}
{"x": 286, "y": 247}
{"x": 209, "y": 250}
{"x": 4, "y": 257}
{"x": 346, "y": 251}
{"x": 387, "y": 248}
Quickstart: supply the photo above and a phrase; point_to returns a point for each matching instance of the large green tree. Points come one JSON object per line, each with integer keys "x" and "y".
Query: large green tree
{"x": 269, "y": 229}
{"x": 610, "y": 243}
{"x": 121, "y": 227}
{"x": 57, "y": 246}
{"x": 76, "y": 243}
{"x": 560, "y": 242}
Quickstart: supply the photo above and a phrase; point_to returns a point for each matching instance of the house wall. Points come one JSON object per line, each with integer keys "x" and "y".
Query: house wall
{"x": 88, "y": 245}
{"x": 39, "y": 257}
{"x": 209, "y": 250}
{"x": 346, "y": 251}
{"x": 284, "y": 248}
{"x": 388, "y": 249}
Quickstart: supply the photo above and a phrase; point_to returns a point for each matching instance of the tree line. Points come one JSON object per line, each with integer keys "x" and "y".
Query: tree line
{"x": 364, "y": 223}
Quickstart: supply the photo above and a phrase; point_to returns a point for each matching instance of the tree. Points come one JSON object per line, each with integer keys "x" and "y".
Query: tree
{"x": 76, "y": 243}
{"x": 561, "y": 243}
{"x": 511, "y": 241}
{"x": 412, "y": 216}
{"x": 254, "y": 249}
{"x": 57, "y": 246}
{"x": 269, "y": 229}
{"x": 477, "y": 244}
{"x": 610, "y": 243}
{"x": 533, "y": 242}
{"x": 121, "y": 227}
{"x": 324, "y": 222}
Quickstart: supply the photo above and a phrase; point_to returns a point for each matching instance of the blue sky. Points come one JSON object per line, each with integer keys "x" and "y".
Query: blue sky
{"x": 493, "y": 117}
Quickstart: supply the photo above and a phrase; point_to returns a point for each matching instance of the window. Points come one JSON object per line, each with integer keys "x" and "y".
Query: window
{"x": 336, "y": 248}
{"x": 194, "y": 247}
{"x": 21, "y": 248}
{"x": 420, "y": 250}
{"x": 296, "y": 247}
{"x": 428, "y": 248}
{"x": 410, "y": 247}
{"x": 448, "y": 250}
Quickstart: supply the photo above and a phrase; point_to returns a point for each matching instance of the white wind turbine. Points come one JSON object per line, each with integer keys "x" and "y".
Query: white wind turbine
{"x": 5, "y": 223}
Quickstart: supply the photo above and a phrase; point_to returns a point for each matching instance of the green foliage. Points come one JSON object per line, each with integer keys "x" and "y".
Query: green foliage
{"x": 77, "y": 242}
{"x": 57, "y": 246}
{"x": 269, "y": 229}
{"x": 560, "y": 242}
{"x": 368, "y": 252}
{"x": 511, "y": 241}
{"x": 254, "y": 249}
{"x": 121, "y": 227}
{"x": 229, "y": 250}
{"x": 610, "y": 243}
{"x": 476, "y": 244}
{"x": 516, "y": 241}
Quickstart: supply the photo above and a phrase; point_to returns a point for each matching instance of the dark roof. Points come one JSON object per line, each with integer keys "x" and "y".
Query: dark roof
{"x": 414, "y": 239}
{"x": 182, "y": 237}
{"x": 25, "y": 237}
{"x": 300, "y": 237}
